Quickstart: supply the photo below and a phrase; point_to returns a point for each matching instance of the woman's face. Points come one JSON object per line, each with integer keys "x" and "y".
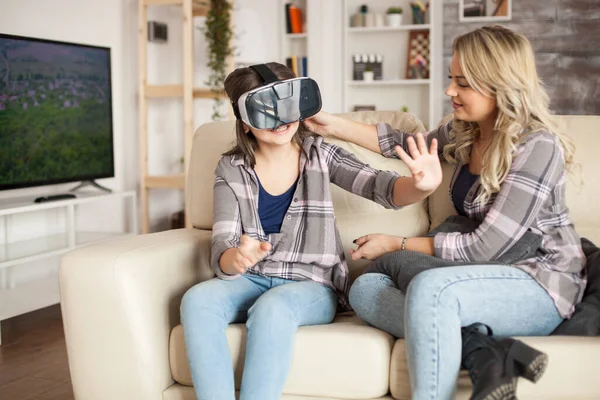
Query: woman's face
{"x": 469, "y": 105}
{"x": 280, "y": 136}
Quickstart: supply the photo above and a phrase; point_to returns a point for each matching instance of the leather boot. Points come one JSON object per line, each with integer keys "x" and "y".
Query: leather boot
{"x": 490, "y": 368}
{"x": 530, "y": 363}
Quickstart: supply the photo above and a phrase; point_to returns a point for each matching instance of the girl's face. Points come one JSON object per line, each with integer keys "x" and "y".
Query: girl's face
{"x": 278, "y": 137}
{"x": 469, "y": 105}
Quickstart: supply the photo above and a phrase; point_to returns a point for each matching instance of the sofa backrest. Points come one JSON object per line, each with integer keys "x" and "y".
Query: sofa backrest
{"x": 357, "y": 216}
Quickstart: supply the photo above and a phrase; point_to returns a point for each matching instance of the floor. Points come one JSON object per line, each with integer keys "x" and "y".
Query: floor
{"x": 33, "y": 357}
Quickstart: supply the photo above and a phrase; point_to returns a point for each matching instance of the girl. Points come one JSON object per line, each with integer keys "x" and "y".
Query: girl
{"x": 276, "y": 250}
{"x": 509, "y": 178}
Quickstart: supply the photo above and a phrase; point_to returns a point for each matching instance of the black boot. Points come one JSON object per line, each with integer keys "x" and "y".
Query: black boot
{"x": 530, "y": 363}
{"x": 495, "y": 365}
{"x": 492, "y": 372}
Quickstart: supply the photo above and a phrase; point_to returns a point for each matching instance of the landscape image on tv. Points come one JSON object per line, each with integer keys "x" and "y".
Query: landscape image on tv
{"x": 55, "y": 112}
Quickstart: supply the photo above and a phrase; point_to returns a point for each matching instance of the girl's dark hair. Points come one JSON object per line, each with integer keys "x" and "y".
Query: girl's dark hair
{"x": 241, "y": 81}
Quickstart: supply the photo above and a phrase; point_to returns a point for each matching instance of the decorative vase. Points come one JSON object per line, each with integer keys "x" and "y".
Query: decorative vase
{"x": 393, "y": 20}
{"x": 368, "y": 76}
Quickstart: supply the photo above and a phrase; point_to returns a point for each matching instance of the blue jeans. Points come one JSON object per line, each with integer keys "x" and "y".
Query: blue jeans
{"x": 438, "y": 302}
{"x": 272, "y": 308}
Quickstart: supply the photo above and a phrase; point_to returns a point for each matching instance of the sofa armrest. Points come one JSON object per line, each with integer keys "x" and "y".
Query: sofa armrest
{"x": 120, "y": 299}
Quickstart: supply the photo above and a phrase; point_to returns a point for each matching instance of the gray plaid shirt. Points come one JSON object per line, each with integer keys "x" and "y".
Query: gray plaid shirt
{"x": 532, "y": 197}
{"x": 309, "y": 245}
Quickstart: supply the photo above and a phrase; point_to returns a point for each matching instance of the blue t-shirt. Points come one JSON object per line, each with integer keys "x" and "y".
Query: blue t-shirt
{"x": 272, "y": 209}
{"x": 463, "y": 184}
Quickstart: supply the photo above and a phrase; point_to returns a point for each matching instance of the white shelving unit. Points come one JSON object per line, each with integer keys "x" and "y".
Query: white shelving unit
{"x": 293, "y": 44}
{"x": 16, "y": 299}
{"x": 393, "y": 92}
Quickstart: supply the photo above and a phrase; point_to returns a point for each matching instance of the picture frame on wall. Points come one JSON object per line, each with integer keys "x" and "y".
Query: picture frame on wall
{"x": 418, "y": 55}
{"x": 484, "y": 10}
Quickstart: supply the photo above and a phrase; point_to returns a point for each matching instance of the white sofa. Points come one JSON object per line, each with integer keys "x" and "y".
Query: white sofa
{"x": 120, "y": 299}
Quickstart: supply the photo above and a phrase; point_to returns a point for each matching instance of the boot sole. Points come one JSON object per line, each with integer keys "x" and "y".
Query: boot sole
{"x": 506, "y": 391}
{"x": 531, "y": 362}
{"x": 536, "y": 368}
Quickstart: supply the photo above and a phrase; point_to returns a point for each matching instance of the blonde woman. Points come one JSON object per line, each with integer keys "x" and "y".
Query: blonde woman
{"x": 510, "y": 173}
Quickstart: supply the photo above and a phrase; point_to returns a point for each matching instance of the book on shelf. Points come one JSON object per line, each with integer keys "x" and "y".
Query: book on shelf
{"x": 298, "y": 64}
{"x": 293, "y": 19}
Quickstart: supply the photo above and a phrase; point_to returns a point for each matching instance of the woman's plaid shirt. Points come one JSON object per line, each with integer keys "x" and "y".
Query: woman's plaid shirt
{"x": 532, "y": 197}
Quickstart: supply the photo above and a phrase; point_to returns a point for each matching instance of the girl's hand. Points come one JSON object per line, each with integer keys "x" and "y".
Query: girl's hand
{"x": 374, "y": 246}
{"x": 250, "y": 252}
{"x": 322, "y": 124}
{"x": 424, "y": 165}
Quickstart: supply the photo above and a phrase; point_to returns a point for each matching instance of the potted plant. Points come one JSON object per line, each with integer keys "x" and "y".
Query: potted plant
{"x": 394, "y": 16}
{"x": 368, "y": 74}
{"x": 218, "y": 33}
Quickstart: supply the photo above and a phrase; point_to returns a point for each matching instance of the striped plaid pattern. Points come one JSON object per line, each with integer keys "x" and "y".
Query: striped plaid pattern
{"x": 309, "y": 246}
{"x": 532, "y": 197}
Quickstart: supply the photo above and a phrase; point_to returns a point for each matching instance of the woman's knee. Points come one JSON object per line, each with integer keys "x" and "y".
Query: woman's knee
{"x": 367, "y": 291}
{"x": 431, "y": 287}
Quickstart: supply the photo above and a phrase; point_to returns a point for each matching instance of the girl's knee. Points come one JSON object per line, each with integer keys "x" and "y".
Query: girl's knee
{"x": 200, "y": 297}
{"x": 270, "y": 306}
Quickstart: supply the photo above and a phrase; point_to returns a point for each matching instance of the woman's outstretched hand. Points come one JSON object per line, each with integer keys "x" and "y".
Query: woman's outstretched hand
{"x": 424, "y": 164}
{"x": 322, "y": 124}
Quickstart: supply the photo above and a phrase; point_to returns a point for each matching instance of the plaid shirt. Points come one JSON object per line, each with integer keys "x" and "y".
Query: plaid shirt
{"x": 308, "y": 246}
{"x": 532, "y": 197}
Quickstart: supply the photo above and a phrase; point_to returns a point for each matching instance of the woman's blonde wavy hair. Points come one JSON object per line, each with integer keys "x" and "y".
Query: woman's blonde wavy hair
{"x": 500, "y": 63}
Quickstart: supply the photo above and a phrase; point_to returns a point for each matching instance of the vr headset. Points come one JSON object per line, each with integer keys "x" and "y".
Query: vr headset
{"x": 278, "y": 102}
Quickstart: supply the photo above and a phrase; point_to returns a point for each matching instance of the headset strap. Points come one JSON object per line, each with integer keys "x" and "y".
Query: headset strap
{"x": 265, "y": 73}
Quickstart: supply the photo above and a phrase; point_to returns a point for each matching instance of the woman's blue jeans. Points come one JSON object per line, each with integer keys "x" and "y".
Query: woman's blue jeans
{"x": 272, "y": 308}
{"x": 438, "y": 302}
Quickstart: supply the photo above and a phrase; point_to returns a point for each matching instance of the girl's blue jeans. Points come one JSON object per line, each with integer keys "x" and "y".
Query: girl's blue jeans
{"x": 272, "y": 309}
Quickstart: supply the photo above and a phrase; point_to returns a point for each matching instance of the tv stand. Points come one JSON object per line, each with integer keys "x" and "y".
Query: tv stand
{"x": 43, "y": 244}
{"x": 90, "y": 183}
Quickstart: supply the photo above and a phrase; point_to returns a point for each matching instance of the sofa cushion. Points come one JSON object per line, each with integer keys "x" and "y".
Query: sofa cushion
{"x": 580, "y": 354}
{"x": 345, "y": 359}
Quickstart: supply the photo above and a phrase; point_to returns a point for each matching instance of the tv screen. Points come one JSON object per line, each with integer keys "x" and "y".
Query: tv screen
{"x": 55, "y": 112}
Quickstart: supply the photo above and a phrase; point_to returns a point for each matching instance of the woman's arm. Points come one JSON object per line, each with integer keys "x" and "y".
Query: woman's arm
{"x": 535, "y": 171}
{"x": 375, "y": 245}
{"x": 380, "y": 138}
{"x": 385, "y": 187}
{"x": 328, "y": 125}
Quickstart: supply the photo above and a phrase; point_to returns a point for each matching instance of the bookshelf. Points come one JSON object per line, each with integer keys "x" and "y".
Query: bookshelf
{"x": 294, "y": 43}
{"x": 394, "y": 91}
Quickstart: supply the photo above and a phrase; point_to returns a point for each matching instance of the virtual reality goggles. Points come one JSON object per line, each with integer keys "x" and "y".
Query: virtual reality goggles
{"x": 278, "y": 102}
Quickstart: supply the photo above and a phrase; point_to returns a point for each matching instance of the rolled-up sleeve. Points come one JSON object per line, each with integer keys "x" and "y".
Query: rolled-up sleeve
{"x": 534, "y": 173}
{"x": 389, "y": 138}
{"x": 354, "y": 176}
{"x": 227, "y": 226}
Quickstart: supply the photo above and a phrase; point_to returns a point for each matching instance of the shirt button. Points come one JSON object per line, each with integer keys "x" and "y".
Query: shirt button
{"x": 289, "y": 217}
{"x": 296, "y": 200}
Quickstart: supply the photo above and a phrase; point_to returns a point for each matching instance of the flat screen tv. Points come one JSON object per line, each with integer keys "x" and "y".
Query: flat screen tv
{"x": 55, "y": 112}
